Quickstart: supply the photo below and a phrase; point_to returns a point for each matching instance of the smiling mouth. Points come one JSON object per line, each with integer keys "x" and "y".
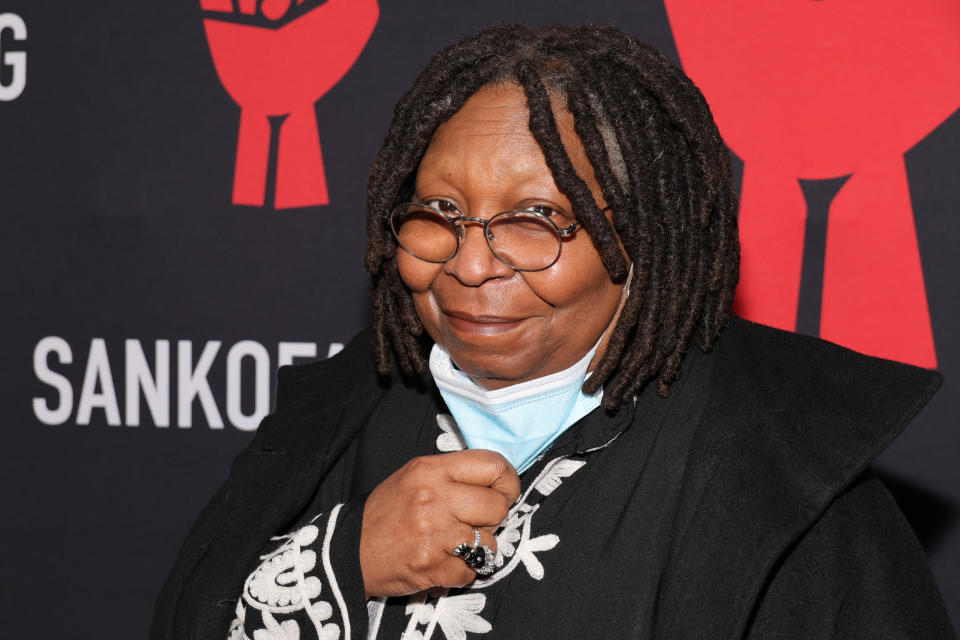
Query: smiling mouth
{"x": 480, "y": 324}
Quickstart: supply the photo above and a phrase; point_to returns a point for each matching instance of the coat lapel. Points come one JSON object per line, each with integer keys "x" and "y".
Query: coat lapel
{"x": 320, "y": 409}
{"x": 296, "y": 451}
{"x": 790, "y": 423}
{"x": 280, "y": 475}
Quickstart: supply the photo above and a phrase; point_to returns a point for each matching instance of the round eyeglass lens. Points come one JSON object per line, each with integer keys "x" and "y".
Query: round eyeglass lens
{"x": 525, "y": 240}
{"x": 425, "y": 233}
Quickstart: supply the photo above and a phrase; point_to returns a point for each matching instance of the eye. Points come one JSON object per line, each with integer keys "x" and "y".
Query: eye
{"x": 442, "y": 205}
{"x": 559, "y": 217}
{"x": 542, "y": 209}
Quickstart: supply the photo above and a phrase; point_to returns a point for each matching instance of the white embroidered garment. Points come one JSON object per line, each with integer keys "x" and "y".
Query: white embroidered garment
{"x": 583, "y": 549}
{"x": 456, "y": 615}
{"x": 285, "y": 597}
{"x": 294, "y": 594}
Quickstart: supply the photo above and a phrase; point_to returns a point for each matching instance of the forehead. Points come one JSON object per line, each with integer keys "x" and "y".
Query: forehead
{"x": 490, "y": 136}
{"x": 497, "y": 109}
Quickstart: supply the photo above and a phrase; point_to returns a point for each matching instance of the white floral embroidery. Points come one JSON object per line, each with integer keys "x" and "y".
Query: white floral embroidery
{"x": 455, "y": 615}
{"x": 236, "y": 627}
{"x": 550, "y": 480}
{"x": 519, "y": 547}
{"x": 274, "y": 583}
{"x": 375, "y": 607}
{"x": 319, "y": 612}
{"x": 420, "y": 614}
{"x": 286, "y": 630}
{"x": 459, "y": 615}
{"x": 506, "y": 538}
{"x": 526, "y": 553}
{"x": 419, "y": 610}
{"x": 450, "y": 438}
{"x": 280, "y": 585}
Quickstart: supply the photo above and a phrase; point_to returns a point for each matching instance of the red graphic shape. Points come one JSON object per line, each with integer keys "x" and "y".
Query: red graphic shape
{"x": 805, "y": 89}
{"x": 874, "y": 270}
{"x": 283, "y": 71}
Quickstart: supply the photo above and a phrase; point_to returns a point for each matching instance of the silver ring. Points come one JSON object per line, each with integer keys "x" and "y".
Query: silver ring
{"x": 479, "y": 557}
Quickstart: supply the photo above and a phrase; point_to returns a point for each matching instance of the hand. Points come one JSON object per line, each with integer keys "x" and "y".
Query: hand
{"x": 415, "y": 518}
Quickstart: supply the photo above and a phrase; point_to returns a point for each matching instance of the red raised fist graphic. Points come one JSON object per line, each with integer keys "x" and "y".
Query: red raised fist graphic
{"x": 815, "y": 89}
{"x": 277, "y": 58}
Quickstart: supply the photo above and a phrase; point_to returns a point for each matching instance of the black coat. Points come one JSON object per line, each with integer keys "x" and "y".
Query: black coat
{"x": 778, "y": 529}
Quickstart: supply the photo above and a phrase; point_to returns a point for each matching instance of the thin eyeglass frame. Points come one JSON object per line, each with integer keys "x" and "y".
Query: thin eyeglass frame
{"x": 460, "y": 232}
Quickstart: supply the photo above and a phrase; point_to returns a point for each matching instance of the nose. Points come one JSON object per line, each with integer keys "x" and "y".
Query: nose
{"x": 475, "y": 263}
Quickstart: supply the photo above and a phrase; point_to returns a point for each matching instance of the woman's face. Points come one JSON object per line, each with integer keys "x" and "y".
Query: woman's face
{"x": 502, "y": 326}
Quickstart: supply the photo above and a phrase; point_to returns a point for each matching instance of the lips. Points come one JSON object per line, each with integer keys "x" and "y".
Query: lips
{"x": 480, "y": 324}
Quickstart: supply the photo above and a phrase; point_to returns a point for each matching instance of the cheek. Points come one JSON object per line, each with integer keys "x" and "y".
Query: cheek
{"x": 419, "y": 276}
{"x": 416, "y": 274}
{"x": 577, "y": 284}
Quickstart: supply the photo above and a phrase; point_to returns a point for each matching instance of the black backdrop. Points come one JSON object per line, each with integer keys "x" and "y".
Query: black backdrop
{"x": 124, "y": 259}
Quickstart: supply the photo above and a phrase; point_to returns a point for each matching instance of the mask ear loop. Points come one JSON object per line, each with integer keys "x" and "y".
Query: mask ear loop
{"x": 626, "y": 287}
{"x": 624, "y": 294}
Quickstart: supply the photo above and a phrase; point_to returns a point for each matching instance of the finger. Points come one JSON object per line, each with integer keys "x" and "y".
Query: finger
{"x": 487, "y": 538}
{"x": 478, "y": 506}
{"x": 454, "y": 575}
{"x": 467, "y": 537}
{"x": 508, "y": 484}
{"x": 484, "y": 468}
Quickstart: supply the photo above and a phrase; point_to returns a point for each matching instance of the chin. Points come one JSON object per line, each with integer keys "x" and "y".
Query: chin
{"x": 481, "y": 364}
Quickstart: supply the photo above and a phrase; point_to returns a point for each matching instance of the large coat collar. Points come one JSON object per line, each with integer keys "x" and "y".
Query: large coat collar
{"x": 791, "y": 422}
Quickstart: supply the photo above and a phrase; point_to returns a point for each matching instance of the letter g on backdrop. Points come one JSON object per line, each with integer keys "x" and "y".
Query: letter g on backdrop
{"x": 277, "y": 58}
{"x": 16, "y": 60}
{"x": 818, "y": 89}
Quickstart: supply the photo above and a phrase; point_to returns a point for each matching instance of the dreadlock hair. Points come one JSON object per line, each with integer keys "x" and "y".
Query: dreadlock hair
{"x": 659, "y": 160}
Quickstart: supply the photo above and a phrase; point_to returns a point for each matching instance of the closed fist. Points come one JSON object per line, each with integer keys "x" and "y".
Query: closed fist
{"x": 415, "y": 518}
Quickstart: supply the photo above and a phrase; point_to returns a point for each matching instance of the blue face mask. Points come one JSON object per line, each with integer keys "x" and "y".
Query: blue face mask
{"x": 519, "y": 421}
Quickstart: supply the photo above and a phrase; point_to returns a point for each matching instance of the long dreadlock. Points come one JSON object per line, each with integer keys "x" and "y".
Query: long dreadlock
{"x": 657, "y": 156}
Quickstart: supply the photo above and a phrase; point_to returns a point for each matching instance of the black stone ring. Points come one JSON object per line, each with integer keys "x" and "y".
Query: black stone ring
{"x": 479, "y": 557}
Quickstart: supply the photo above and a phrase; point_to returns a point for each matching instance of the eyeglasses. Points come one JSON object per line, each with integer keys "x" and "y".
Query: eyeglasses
{"x": 524, "y": 240}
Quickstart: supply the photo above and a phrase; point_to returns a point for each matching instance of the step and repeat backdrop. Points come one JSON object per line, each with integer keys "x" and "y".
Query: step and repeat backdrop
{"x": 182, "y": 206}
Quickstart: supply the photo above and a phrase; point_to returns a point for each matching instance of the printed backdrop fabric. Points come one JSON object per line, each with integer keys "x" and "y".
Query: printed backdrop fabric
{"x": 182, "y": 193}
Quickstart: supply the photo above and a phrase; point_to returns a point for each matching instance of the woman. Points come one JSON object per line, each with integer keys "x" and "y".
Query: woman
{"x": 551, "y": 223}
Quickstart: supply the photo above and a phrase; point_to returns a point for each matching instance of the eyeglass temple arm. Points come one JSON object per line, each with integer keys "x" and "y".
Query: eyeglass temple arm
{"x": 568, "y": 230}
